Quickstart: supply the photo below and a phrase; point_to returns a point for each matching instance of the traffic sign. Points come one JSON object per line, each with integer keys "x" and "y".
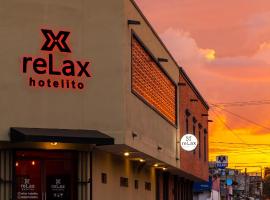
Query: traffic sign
{"x": 222, "y": 162}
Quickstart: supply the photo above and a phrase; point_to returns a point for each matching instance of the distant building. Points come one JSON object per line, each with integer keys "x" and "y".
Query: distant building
{"x": 208, "y": 190}
{"x": 266, "y": 171}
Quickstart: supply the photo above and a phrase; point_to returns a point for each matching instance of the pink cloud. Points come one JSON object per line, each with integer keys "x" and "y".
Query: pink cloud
{"x": 228, "y": 79}
{"x": 239, "y": 33}
{"x": 227, "y": 26}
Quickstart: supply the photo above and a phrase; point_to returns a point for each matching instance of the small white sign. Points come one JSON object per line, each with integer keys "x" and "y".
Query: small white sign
{"x": 189, "y": 142}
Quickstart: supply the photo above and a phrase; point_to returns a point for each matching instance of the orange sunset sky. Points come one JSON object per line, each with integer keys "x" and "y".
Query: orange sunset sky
{"x": 224, "y": 46}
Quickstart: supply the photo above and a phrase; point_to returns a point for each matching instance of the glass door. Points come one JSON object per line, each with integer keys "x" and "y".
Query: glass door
{"x": 42, "y": 175}
{"x": 59, "y": 178}
{"x": 28, "y": 180}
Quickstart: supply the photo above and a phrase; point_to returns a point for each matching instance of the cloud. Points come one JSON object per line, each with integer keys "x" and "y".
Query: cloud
{"x": 254, "y": 68}
{"x": 257, "y": 27}
{"x": 185, "y": 49}
{"x": 226, "y": 53}
{"x": 225, "y": 79}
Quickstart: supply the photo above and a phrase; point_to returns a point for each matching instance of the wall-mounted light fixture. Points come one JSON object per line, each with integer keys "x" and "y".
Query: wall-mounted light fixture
{"x": 210, "y": 120}
{"x": 182, "y": 84}
{"x": 204, "y": 115}
{"x": 134, "y": 135}
{"x": 193, "y": 100}
{"x": 133, "y": 22}
{"x": 162, "y": 60}
{"x": 126, "y": 154}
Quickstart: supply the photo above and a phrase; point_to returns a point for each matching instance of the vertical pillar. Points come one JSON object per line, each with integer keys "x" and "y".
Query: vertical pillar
{"x": 84, "y": 176}
{"x": 6, "y": 174}
{"x": 158, "y": 185}
{"x": 182, "y": 189}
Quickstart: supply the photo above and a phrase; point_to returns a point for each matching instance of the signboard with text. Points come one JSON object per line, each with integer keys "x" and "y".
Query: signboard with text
{"x": 58, "y": 187}
{"x": 222, "y": 161}
{"x": 189, "y": 142}
{"x": 28, "y": 188}
{"x": 55, "y": 68}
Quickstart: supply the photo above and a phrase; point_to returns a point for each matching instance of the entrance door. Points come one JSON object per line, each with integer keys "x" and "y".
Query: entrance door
{"x": 28, "y": 179}
{"x": 45, "y": 175}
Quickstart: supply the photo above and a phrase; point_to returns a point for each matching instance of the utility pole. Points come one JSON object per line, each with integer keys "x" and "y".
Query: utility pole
{"x": 245, "y": 182}
{"x": 261, "y": 184}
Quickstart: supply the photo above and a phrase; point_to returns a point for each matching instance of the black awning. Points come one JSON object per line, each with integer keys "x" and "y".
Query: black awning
{"x": 59, "y": 135}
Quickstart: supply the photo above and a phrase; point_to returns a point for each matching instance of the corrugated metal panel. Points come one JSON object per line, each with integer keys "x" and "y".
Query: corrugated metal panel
{"x": 6, "y": 160}
{"x": 84, "y": 176}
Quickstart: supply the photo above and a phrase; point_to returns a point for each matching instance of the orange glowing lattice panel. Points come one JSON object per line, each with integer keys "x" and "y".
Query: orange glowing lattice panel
{"x": 150, "y": 83}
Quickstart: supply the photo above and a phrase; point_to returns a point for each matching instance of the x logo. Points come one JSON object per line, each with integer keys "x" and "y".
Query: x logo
{"x": 53, "y": 40}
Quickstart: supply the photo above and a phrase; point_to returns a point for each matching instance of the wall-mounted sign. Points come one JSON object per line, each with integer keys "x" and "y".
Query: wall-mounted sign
{"x": 53, "y": 70}
{"x": 27, "y": 188}
{"x": 189, "y": 142}
{"x": 58, "y": 187}
{"x": 222, "y": 161}
{"x": 203, "y": 186}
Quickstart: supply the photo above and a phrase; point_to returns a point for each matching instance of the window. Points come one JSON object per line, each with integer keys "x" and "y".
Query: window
{"x": 103, "y": 178}
{"x": 205, "y": 144}
{"x": 123, "y": 181}
{"x": 136, "y": 184}
{"x": 200, "y": 151}
{"x": 187, "y": 113}
{"x": 148, "y": 186}
{"x": 194, "y": 130}
{"x": 186, "y": 124}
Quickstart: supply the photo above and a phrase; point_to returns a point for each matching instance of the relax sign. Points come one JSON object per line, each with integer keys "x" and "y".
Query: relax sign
{"x": 189, "y": 142}
{"x": 44, "y": 72}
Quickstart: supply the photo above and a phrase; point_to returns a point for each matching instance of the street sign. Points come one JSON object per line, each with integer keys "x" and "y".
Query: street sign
{"x": 221, "y": 165}
{"x": 222, "y": 161}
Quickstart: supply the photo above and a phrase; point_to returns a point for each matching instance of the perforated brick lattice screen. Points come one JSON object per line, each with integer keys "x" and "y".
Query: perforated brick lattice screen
{"x": 151, "y": 84}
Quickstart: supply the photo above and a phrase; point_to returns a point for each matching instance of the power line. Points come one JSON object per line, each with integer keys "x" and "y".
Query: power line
{"x": 238, "y": 143}
{"x": 237, "y": 150}
{"x": 243, "y": 103}
{"x": 243, "y": 118}
{"x": 243, "y": 153}
{"x": 231, "y": 130}
{"x": 244, "y": 163}
{"x": 234, "y": 149}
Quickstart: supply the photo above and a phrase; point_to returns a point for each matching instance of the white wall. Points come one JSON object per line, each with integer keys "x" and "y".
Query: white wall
{"x": 96, "y": 28}
{"x": 214, "y": 195}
